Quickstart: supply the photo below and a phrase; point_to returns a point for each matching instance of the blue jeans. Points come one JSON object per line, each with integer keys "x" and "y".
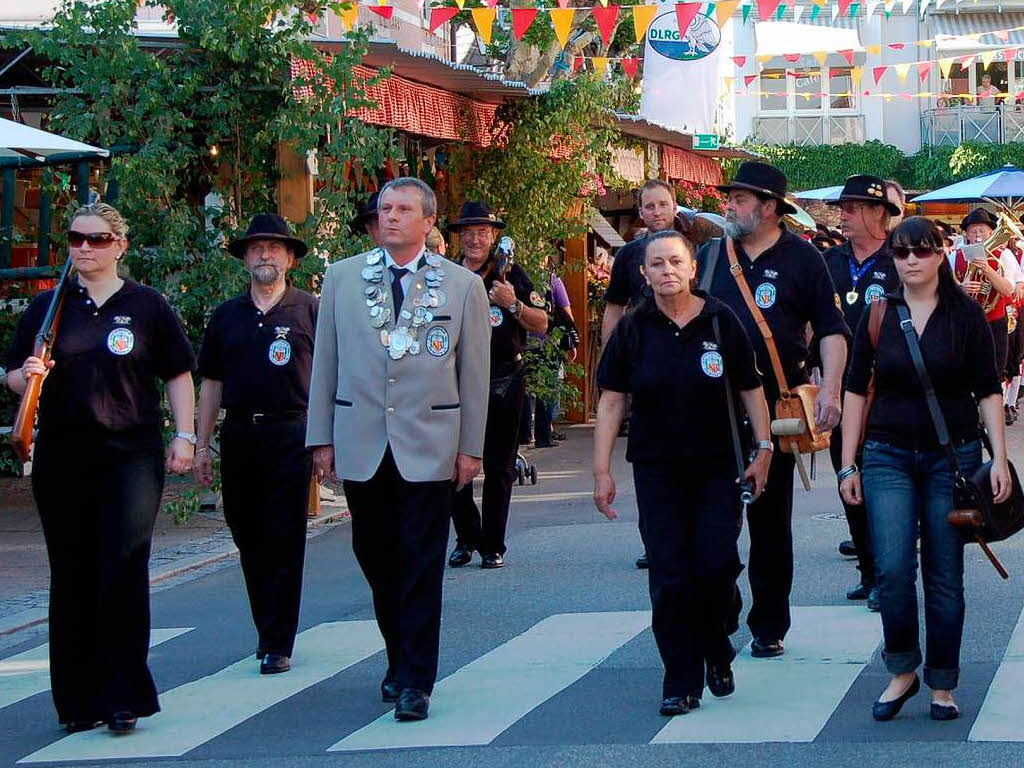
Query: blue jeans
{"x": 901, "y": 489}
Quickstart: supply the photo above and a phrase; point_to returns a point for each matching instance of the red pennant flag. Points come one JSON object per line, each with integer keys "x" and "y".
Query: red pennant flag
{"x": 897, "y": 46}
{"x": 685, "y": 14}
{"x": 739, "y": 61}
{"x": 605, "y": 18}
{"x": 765, "y": 8}
{"x": 748, "y": 79}
{"x": 848, "y": 55}
{"x": 792, "y": 58}
{"x": 1010, "y": 54}
{"x": 877, "y": 73}
{"x": 439, "y": 16}
{"x": 923, "y": 69}
{"x": 629, "y": 65}
{"x": 577, "y": 62}
{"x": 844, "y": 6}
{"x": 563, "y": 3}
{"x": 522, "y": 18}
{"x": 314, "y": 18}
{"x": 384, "y": 11}
{"x": 1003, "y": 34}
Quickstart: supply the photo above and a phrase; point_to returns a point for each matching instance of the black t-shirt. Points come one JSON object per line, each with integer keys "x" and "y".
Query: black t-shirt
{"x": 627, "y": 285}
{"x": 877, "y": 278}
{"x": 792, "y": 288}
{"x": 508, "y": 337}
{"x": 675, "y": 377}
{"x": 961, "y": 365}
{"x": 264, "y": 361}
{"x": 106, "y": 359}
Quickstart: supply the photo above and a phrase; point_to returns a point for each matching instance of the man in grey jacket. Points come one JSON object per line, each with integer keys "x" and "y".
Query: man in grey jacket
{"x": 397, "y": 410}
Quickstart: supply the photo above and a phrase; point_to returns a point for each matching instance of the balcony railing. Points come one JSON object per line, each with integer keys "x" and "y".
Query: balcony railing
{"x": 952, "y": 126}
{"x": 809, "y": 130}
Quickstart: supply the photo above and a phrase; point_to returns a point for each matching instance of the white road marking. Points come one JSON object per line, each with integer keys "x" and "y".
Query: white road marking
{"x": 528, "y": 670}
{"x": 1000, "y": 717}
{"x": 792, "y": 697}
{"x": 26, "y": 674}
{"x": 196, "y": 712}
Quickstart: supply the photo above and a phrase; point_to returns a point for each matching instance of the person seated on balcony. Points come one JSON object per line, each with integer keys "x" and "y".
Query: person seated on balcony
{"x": 986, "y": 92}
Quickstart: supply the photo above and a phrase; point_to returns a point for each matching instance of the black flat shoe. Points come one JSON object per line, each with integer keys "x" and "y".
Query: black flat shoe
{"x": 390, "y": 691}
{"x": 77, "y": 726}
{"x": 122, "y": 722}
{"x": 887, "y": 710}
{"x": 274, "y": 664}
{"x": 944, "y": 711}
{"x": 674, "y": 705}
{"x": 847, "y": 549}
{"x": 492, "y": 561}
{"x": 720, "y": 680}
{"x": 766, "y": 649}
{"x": 860, "y": 592}
{"x": 874, "y": 604}
{"x": 460, "y": 556}
{"x": 642, "y": 563}
{"x": 412, "y": 705}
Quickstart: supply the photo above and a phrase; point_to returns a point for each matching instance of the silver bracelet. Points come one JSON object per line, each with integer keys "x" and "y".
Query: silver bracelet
{"x": 846, "y": 472}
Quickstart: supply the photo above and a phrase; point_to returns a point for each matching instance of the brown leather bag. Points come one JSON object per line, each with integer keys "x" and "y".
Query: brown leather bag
{"x": 876, "y": 313}
{"x": 794, "y": 423}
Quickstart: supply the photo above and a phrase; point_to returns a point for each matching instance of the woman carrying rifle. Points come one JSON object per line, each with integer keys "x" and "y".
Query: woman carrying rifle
{"x": 98, "y": 469}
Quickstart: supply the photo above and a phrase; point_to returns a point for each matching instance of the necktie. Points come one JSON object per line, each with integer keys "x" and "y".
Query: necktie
{"x": 397, "y": 292}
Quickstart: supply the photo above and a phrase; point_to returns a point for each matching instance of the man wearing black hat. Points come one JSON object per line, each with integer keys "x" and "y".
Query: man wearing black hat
{"x": 791, "y": 288}
{"x": 255, "y": 362}
{"x": 515, "y": 309}
{"x": 367, "y": 222}
{"x": 862, "y": 271}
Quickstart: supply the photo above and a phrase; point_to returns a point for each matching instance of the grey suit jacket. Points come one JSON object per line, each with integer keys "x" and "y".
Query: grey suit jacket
{"x": 428, "y": 407}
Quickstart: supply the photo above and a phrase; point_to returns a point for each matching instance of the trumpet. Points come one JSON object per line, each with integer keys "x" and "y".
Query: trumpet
{"x": 979, "y": 254}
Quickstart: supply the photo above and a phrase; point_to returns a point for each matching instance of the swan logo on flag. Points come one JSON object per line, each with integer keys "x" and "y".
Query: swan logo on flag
{"x": 701, "y": 38}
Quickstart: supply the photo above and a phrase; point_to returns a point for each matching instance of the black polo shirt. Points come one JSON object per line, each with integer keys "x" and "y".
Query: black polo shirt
{"x": 675, "y": 377}
{"x": 106, "y": 359}
{"x": 508, "y": 337}
{"x": 627, "y": 285}
{"x": 959, "y": 353}
{"x": 263, "y": 360}
{"x": 792, "y": 288}
{"x": 877, "y": 278}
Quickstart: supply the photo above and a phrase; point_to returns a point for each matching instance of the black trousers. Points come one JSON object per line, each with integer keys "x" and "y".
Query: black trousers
{"x": 399, "y": 536}
{"x": 770, "y": 520}
{"x": 1015, "y": 350}
{"x": 486, "y": 533}
{"x": 1002, "y": 343}
{"x": 265, "y": 472}
{"x": 690, "y": 521}
{"x": 856, "y": 516}
{"x": 98, "y": 497}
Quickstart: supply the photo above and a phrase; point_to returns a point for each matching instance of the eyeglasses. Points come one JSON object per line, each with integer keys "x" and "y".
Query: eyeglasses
{"x": 902, "y": 252}
{"x": 95, "y": 239}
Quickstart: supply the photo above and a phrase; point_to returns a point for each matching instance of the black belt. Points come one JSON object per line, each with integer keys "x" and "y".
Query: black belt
{"x": 269, "y": 417}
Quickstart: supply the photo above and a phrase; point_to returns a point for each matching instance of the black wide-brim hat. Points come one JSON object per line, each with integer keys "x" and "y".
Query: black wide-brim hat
{"x": 979, "y": 216}
{"x": 358, "y": 224}
{"x": 268, "y": 226}
{"x": 864, "y": 188}
{"x": 476, "y": 212}
{"x": 764, "y": 180}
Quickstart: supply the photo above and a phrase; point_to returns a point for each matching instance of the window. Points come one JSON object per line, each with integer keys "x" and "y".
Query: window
{"x": 807, "y": 87}
{"x": 773, "y": 90}
{"x": 840, "y": 86}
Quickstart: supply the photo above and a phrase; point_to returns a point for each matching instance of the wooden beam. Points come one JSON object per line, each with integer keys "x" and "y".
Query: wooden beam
{"x": 574, "y": 276}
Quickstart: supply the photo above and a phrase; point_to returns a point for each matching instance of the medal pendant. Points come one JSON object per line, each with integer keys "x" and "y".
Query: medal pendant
{"x": 385, "y": 338}
{"x": 851, "y": 297}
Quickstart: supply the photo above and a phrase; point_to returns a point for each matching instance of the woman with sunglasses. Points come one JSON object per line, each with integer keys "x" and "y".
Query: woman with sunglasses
{"x": 906, "y": 479}
{"x": 98, "y": 469}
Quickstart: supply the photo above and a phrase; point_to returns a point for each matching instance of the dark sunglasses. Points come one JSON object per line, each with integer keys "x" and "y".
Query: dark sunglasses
{"x": 902, "y": 252}
{"x": 95, "y": 239}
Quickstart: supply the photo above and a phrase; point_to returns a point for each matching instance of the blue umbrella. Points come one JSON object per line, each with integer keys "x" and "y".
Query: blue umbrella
{"x": 823, "y": 193}
{"x": 1005, "y": 185}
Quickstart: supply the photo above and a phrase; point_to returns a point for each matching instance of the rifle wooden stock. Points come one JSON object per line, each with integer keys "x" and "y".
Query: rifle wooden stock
{"x": 24, "y": 422}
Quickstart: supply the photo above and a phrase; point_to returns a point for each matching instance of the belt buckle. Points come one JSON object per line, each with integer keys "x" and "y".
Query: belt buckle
{"x": 257, "y": 418}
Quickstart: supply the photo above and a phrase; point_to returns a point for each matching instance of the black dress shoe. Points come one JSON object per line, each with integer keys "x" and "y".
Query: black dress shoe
{"x": 720, "y": 680}
{"x": 492, "y": 561}
{"x": 412, "y": 705}
{"x": 674, "y": 705}
{"x": 692, "y": 702}
{"x": 860, "y": 592}
{"x": 887, "y": 710}
{"x": 642, "y": 562}
{"x": 390, "y": 691}
{"x": 944, "y": 711}
{"x": 846, "y": 549}
{"x": 874, "y": 603}
{"x": 76, "y": 726}
{"x": 766, "y": 649}
{"x": 122, "y": 722}
{"x": 275, "y": 663}
{"x": 460, "y": 556}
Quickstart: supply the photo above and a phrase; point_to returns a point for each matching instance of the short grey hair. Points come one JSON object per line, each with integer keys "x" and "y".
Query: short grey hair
{"x": 427, "y": 197}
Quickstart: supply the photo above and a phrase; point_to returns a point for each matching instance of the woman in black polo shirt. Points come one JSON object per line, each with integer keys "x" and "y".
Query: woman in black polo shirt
{"x": 907, "y": 477}
{"x": 98, "y": 469}
{"x": 668, "y": 356}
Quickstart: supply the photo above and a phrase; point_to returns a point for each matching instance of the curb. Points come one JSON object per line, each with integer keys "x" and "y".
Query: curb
{"x": 33, "y": 617}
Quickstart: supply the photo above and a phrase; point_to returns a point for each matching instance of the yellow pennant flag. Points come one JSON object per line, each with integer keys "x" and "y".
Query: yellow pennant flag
{"x": 926, "y": 43}
{"x": 643, "y": 15}
{"x": 600, "y": 64}
{"x": 889, "y": 5}
{"x": 763, "y": 58}
{"x": 724, "y": 11}
{"x": 901, "y": 70}
{"x": 604, "y": 3}
{"x": 561, "y": 20}
{"x": 873, "y": 50}
{"x": 820, "y": 57}
{"x": 820, "y": 3}
{"x": 944, "y": 66}
{"x": 483, "y": 20}
{"x": 986, "y": 59}
{"x": 855, "y": 76}
{"x": 348, "y": 16}
{"x": 460, "y": 3}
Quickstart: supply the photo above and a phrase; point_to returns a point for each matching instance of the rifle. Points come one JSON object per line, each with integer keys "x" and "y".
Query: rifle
{"x": 21, "y": 434}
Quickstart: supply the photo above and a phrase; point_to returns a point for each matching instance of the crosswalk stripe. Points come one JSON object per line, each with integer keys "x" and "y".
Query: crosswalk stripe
{"x": 196, "y": 712}
{"x": 999, "y": 718}
{"x": 792, "y": 697}
{"x": 26, "y": 674}
{"x": 528, "y": 670}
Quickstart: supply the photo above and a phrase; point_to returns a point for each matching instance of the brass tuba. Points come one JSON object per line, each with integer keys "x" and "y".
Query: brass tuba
{"x": 1006, "y": 230}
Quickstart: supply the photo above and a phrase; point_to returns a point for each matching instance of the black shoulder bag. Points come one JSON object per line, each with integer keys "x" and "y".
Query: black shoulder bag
{"x": 746, "y": 495}
{"x": 973, "y": 507}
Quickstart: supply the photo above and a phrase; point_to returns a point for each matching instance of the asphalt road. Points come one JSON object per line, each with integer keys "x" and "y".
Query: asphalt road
{"x": 549, "y": 661}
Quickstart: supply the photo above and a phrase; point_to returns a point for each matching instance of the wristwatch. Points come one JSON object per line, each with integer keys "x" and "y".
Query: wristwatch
{"x": 188, "y": 437}
{"x": 764, "y": 445}
{"x": 514, "y": 309}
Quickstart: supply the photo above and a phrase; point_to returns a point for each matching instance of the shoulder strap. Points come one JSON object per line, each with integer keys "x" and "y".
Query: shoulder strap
{"x": 755, "y": 311}
{"x": 926, "y": 382}
{"x": 709, "y": 266}
{"x": 733, "y": 421}
{"x": 875, "y": 316}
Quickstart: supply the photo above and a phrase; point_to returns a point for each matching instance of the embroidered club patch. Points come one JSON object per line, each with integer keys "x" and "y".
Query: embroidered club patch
{"x": 437, "y": 341}
{"x": 873, "y": 293}
{"x": 765, "y": 295}
{"x": 280, "y": 352}
{"x": 121, "y": 341}
{"x": 712, "y": 365}
{"x": 536, "y": 299}
{"x": 496, "y": 317}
